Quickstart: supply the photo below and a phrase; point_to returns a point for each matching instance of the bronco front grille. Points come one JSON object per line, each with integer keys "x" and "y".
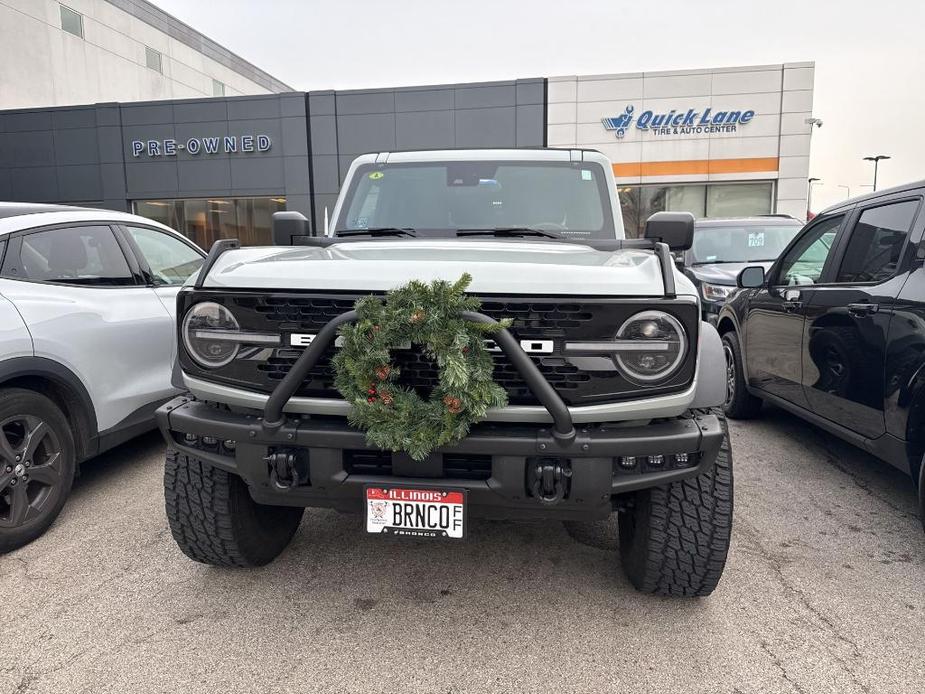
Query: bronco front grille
{"x": 540, "y": 319}
{"x": 578, "y": 381}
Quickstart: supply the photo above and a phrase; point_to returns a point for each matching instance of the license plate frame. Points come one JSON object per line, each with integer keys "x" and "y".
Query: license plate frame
{"x": 415, "y": 496}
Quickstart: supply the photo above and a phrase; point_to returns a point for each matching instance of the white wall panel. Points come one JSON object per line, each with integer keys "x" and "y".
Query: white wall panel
{"x": 792, "y": 188}
{"x": 675, "y": 149}
{"x": 676, "y": 85}
{"x": 795, "y": 123}
{"x": 559, "y": 89}
{"x": 41, "y": 65}
{"x": 799, "y": 78}
{"x": 561, "y": 113}
{"x": 744, "y": 147}
{"x": 620, "y": 152}
{"x": 746, "y": 82}
{"x": 610, "y": 90}
{"x": 794, "y": 145}
{"x": 794, "y": 167}
{"x": 795, "y": 208}
{"x": 557, "y": 135}
{"x": 797, "y": 101}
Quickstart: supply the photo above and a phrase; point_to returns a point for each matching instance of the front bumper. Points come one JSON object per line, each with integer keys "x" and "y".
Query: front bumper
{"x": 506, "y": 454}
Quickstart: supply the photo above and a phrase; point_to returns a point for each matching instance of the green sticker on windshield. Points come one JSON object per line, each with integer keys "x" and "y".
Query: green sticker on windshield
{"x": 376, "y": 175}
{"x": 585, "y": 175}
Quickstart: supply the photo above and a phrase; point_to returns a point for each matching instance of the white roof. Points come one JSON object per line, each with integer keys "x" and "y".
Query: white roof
{"x": 46, "y": 215}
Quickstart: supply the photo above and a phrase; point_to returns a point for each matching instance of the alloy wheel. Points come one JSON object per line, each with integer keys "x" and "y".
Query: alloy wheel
{"x": 730, "y": 373}
{"x": 30, "y": 469}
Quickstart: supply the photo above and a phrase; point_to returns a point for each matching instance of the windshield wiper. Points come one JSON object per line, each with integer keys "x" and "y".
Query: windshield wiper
{"x": 508, "y": 231}
{"x": 378, "y": 231}
{"x": 721, "y": 262}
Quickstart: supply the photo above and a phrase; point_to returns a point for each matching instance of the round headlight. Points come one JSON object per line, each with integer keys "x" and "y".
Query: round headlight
{"x": 652, "y": 347}
{"x": 202, "y": 328}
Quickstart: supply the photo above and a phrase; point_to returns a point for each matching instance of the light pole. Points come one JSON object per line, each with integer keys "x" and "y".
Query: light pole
{"x": 876, "y": 160}
{"x": 809, "y": 195}
{"x": 848, "y": 188}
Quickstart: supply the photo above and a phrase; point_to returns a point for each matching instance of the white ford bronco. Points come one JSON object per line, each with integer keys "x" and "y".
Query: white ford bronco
{"x": 613, "y": 381}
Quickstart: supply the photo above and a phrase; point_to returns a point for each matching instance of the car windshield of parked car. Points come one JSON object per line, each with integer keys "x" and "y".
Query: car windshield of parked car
{"x": 568, "y": 199}
{"x": 744, "y": 243}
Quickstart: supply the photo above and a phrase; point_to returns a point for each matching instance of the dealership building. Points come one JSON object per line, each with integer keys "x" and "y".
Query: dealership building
{"x": 715, "y": 142}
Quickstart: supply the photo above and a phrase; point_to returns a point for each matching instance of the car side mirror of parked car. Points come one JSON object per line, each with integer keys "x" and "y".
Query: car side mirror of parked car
{"x": 750, "y": 277}
{"x": 674, "y": 228}
{"x": 289, "y": 228}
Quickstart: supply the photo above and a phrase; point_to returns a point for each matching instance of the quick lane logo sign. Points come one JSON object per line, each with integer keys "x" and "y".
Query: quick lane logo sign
{"x": 228, "y": 144}
{"x": 690, "y": 122}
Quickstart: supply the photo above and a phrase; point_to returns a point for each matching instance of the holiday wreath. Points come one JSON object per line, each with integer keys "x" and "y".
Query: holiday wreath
{"x": 394, "y": 416}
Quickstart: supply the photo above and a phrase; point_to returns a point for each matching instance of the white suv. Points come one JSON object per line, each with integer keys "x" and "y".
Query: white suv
{"x": 87, "y": 325}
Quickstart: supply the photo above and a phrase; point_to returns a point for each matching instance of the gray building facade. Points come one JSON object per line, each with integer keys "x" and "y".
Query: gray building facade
{"x": 219, "y": 167}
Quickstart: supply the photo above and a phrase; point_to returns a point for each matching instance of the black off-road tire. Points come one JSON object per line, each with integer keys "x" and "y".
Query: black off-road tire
{"x": 674, "y": 539}
{"x": 740, "y": 404}
{"x": 215, "y": 521}
{"x": 23, "y": 409}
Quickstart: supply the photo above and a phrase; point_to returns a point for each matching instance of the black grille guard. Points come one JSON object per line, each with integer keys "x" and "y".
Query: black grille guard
{"x": 562, "y": 429}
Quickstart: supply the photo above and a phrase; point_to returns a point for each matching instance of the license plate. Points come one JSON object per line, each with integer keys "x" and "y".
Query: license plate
{"x": 416, "y": 512}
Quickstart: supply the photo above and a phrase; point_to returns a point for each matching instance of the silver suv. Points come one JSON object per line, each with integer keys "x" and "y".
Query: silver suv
{"x": 87, "y": 304}
{"x": 612, "y": 378}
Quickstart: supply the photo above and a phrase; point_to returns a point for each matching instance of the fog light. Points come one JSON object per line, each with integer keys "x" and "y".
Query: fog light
{"x": 191, "y": 438}
{"x": 681, "y": 459}
{"x": 627, "y": 462}
{"x": 209, "y": 441}
{"x": 656, "y": 460}
{"x": 230, "y": 445}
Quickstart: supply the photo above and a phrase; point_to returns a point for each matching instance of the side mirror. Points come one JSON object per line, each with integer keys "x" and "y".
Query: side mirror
{"x": 751, "y": 277}
{"x": 289, "y": 228}
{"x": 674, "y": 228}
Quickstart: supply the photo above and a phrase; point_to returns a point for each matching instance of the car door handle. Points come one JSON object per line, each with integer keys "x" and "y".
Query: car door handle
{"x": 791, "y": 306}
{"x": 864, "y": 309}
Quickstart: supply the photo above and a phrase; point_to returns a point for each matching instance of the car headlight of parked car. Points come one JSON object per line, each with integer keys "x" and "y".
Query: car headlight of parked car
{"x": 650, "y": 346}
{"x": 716, "y": 292}
{"x": 213, "y": 337}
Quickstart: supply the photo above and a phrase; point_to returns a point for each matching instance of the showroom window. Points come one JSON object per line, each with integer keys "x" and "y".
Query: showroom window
{"x": 72, "y": 22}
{"x": 700, "y": 199}
{"x": 153, "y": 60}
{"x": 204, "y": 221}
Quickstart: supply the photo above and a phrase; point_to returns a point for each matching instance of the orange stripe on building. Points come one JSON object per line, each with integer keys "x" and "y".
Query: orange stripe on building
{"x": 695, "y": 166}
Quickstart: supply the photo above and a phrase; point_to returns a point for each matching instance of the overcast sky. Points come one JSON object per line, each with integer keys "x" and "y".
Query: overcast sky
{"x": 870, "y": 62}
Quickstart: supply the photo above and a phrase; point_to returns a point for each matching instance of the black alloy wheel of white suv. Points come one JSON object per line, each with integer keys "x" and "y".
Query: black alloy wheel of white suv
{"x": 37, "y": 462}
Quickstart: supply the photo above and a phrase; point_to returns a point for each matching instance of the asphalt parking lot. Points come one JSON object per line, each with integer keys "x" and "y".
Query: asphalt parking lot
{"x": 824, "y": 592}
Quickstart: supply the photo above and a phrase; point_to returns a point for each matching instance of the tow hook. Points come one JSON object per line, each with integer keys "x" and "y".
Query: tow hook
{"x": 549, "y": 479}
{"x": 287, "y": 469}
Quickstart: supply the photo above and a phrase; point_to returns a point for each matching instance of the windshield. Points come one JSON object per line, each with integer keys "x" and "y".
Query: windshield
{"x": 740, "y": 243}
{"x": 568, "y": 199}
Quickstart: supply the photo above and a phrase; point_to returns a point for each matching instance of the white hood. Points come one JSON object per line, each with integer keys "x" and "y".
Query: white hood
{"x": 496, "y": 266}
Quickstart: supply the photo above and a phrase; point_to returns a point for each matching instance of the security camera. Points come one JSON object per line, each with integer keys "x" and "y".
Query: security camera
{"x": 814, "y": 121}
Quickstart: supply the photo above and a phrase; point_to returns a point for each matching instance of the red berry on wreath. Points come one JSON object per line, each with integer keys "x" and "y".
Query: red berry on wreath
{"x": 465, "y": 350}
{"x": 370, "y": 399}
{"x": 371, "y": 391}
